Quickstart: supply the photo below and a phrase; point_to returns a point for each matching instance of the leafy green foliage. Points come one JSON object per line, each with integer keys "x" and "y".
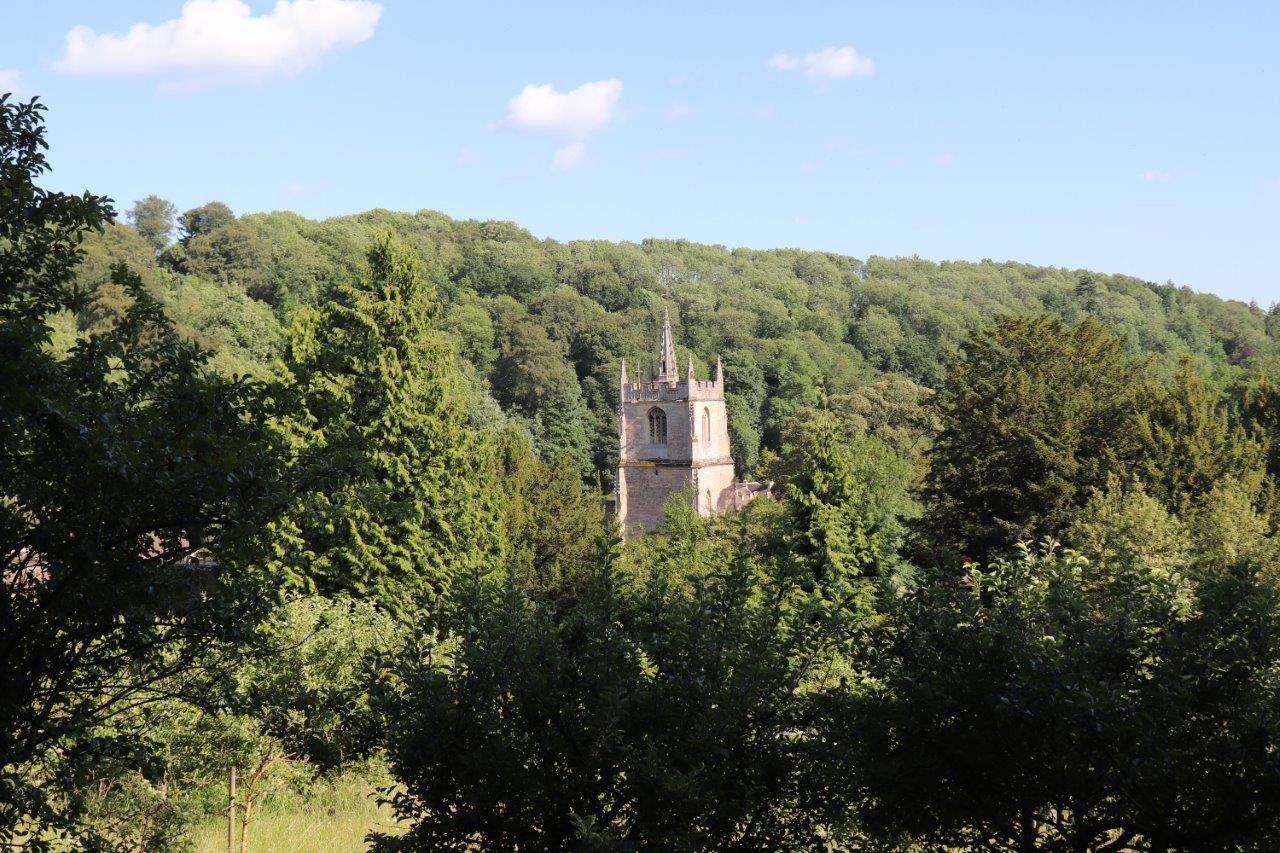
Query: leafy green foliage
{"x": 791, "y": 326}
{"x": 291, "y": 713}
{"x": 133, "y": 480}
{"x": 648, "y": 701}
{"x": 1260, "y": 412}
{"x": 1187, "y": 443}
{"x": 243, "y": 335}
{"x": 399, "y": 503}
{"x": 534, "y": 381}
{"x": 1047, "y": 702}
{"x": 814, "y": 672}
{"x": 1033, "y": 414}
{"x": 1124, "y": 526}
{"x": 232, "y": 255}
{"x": 153, "y": 218}
{"x": 551, "y": 524}
{"x": 203, "y": 220}
{"x": 834, "y": 534}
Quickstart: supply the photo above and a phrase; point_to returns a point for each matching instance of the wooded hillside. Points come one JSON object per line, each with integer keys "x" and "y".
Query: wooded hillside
{"x": 544, "y": 325}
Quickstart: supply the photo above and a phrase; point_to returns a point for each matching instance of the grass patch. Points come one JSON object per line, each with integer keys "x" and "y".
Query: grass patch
{"x": 332, "y": 821}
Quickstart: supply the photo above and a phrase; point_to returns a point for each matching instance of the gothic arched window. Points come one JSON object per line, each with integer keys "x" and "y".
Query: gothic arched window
{"x": 706, "y": 424}
{"x": 657, "y": 426}
{"x": 711, "y": 507}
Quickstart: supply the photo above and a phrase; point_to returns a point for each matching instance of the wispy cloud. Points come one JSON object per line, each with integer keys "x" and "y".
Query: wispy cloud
{"x": 569, "y": 156}
{"x": 784, "y": 62}
{"x": 10, "y": 81}
{"x": 1155, "y": 176}
{"x": 220, "y": 41}
{"x": 301, "y": 188}
{"x": 830, "y": 63}
{"x": 541, "y": 109}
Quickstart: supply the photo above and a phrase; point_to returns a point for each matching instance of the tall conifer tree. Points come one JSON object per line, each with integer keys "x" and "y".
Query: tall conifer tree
{"x": 831, "y": 533}
{"x": 401, "y": 502}
{"x": 1188, "y": 443}
{"x": 1033, "y": 414}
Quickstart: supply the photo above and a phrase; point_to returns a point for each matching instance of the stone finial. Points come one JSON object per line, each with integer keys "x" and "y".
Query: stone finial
{"x": 719, "y": 372}
{"x": 690, "y": 369}
{"x": 623, "y": 380}
{"x": 669, "y": 371}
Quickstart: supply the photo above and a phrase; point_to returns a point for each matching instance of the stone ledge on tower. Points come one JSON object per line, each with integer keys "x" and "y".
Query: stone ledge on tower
{"x": 651, "y": 392}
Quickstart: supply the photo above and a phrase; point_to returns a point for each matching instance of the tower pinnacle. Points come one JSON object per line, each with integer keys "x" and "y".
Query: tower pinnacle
{"x": 668, "y": 370}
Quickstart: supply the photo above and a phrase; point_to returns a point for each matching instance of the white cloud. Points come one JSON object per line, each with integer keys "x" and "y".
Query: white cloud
{"x": 302, "y": 188}
{"x": 541, "y": 109}
{"x": 1155, "y": 176}
{"x": 10, "y": 81}
{"x": 834, "y": 63}
{"x": 569, "y": 156}
{"x": 830, "y": 63}
{"x": 569, "y": 115}
{"x": 784, "y": 62}
{"x": 214, "y": 41}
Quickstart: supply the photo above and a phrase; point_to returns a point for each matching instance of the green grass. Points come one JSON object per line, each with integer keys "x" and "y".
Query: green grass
{"x": 324, "y": 825}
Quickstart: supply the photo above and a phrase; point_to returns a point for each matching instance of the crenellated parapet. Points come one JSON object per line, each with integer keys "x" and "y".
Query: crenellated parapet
{"x": 660, "y": 391}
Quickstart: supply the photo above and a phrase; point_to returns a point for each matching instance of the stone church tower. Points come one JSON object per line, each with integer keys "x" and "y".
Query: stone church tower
{"x": 673, "y": 436}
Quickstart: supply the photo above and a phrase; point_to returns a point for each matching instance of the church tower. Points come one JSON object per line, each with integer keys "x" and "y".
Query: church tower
{"x": 673, "y": 435}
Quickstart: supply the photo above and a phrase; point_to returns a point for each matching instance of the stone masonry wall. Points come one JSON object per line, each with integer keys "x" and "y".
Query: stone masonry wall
{"x": 647, "y": 490}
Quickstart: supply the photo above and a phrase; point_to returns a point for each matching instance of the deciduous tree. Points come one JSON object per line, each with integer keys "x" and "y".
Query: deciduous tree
{"x": 1046, "y": 702}
{"x": 153, "y": 217}
{"x": 204, "y": 219}
{"x": 133, "y": 482}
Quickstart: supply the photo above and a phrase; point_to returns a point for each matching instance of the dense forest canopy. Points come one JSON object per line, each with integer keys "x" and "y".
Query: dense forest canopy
{"x": 297, "y": 512}
{"x": 544, "y": 325}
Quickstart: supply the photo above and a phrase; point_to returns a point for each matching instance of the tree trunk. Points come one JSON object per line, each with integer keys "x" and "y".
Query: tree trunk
{"x": 250, "y": 794}
{"x": 231, "y": 812}
{"x": 244, "y": 825}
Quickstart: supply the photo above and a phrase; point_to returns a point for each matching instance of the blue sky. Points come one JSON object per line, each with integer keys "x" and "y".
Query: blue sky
{"x": 1130, "y": 137}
